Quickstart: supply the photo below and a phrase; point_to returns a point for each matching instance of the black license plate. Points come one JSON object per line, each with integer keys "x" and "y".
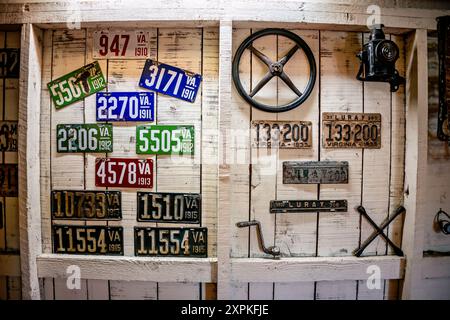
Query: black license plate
{"x": 101, "y": 240}
{"x": 8, "y": 136}
{"x": 168, "y": 207}
{"x": 9, "y": 180}
{"x": 176, "y": 242}
{"x": 86, "y": 205}
{"x": 284, "y": 206}
{"x": 307, "y": 172}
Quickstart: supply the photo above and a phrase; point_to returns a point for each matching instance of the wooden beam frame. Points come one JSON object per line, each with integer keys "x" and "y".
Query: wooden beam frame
{"x": 29, "y": 159}
{"x": 10, "y": 265}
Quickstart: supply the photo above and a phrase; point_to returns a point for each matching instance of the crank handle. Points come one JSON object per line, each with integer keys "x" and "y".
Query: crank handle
{"x": 272, "y": 250}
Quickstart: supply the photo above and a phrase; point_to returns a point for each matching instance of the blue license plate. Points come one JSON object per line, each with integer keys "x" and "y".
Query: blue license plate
{"x": 125, "y": 106}
{"x": 169, "y": 80}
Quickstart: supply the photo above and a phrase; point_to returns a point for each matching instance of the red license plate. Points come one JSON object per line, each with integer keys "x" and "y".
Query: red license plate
{"x": 123, "y": 172}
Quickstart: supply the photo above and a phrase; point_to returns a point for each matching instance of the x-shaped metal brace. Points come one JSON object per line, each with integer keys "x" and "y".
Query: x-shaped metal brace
{"x": 379, "y": 231}
{"x": 275, "y": 69}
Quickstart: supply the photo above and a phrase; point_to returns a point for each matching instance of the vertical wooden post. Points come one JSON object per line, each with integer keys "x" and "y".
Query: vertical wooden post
{"x": 415, "y": 159}
{"x": 29, "y": 161}
{"x": 223, "y": 209}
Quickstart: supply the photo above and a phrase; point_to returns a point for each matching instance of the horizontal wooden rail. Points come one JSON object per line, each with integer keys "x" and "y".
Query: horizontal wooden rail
{"x": 436, "y": 267}
{"x": 314, "y": 269}
{"x": 130, "y": 268}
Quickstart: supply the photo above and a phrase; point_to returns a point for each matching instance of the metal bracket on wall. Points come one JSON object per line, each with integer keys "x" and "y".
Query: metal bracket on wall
{"x": 273, "y": 250}
{"x": 379, "y": 231}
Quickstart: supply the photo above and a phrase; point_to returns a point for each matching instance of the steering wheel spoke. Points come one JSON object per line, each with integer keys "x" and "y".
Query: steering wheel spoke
{"x": 261, "y": 56}
{"x": 288, "y": 55}
{"x": 289, "y": 83}
{"x": 261, "y": 83}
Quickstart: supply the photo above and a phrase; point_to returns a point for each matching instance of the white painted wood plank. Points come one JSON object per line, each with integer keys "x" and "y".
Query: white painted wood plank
{"x": 376, "y": 164}
{"x": 336, "y": 290}
{"x": 45, "y": 141}
{"x": 47, "y": 289}
{"x": 133, "y": 290}
{"x": 296, "y": 232}
{"x": 165, "y": 269}
{"x": 294, "y": 291}
{"x": 225, "y": 214}
{"x": 308, "y": 269}
{"x": 237, "y": 152}
{"x": 97, "y": 289}
{"x": 210, "y": 139}
{"x": 263, "y": 163}
{"x": 366, "y": 293}
{"x": 62, "y": 292}
{"x": 178, "y": 291}
{"x": 239, "y": 290}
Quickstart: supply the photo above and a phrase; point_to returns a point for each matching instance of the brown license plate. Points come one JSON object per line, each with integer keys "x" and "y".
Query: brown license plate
{"x": 351, "y": 130}
{"x": 178, "y": 242}
{"x": 86, "y": 205}
{"x": 168, "y": 207}
{"x": 8, "y": 136}
{"x": 99, "y": 240}
{"x": 284, "y": 206}
{"x": 9, "y": 180}
{"x": 306, "y": 172}
{"x": 282, "y": 134}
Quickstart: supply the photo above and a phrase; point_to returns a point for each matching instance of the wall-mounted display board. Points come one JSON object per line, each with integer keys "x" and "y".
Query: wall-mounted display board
{"x": 170, "y": 80}
{"x": 282, "y": 134}
{"x": 351, "y": 130}
{"x": 76, "y": 85}
{"x": 165, "y": 139}
{"x": 86, "y": 205}
{"x": 131, "y": 44}
{"x": 123, "y": 172}
{"x": 8, "y": 136}
{"x": 169, "y": 207}
{"x": 178, "y": 242}
{"x": 100, "y": 240}
{"x": 9, "y": 63}
{"x": 125, "y": 106}
{"x": 84, "y": 138}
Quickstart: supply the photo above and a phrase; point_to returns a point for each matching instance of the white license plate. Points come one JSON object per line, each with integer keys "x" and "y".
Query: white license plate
{"x": 121, "y": 44}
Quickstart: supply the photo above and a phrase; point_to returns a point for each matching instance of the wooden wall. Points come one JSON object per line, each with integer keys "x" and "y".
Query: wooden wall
{"x": 193, "y": 49}
{"x": 10, "y": 287}
{"x": 375, "y": 176}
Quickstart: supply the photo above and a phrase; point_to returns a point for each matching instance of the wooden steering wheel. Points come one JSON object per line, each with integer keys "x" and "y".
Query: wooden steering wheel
{"x": 275, "y": 70}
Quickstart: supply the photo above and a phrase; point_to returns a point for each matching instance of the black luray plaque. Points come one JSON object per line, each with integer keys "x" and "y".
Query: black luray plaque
{"x": 285, "y": 206}
{"x": 310, "y": 172}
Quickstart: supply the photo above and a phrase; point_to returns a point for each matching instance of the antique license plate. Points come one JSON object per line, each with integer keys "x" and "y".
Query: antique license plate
{"x": 76, "y": 85}
{"x": 8, "y": 136}
{"x": 305, "y": 172}
{"x": 9, "y": 63}
{"x": 84, "y": 138}
{"x": 168, "y": 207}
{"x": 121, "y": 44}
{"x": 125, "y": 106}
{"x": 284, "y": 206}
{"x": 124, "y": 172}
{"x": 351, "y": 130}
{"x": 165, "y": 139}
{"x": 102, "y": 240}
{"x": 282, "y": 134}
{"x": 169, "y": 80}
{"x": 184, "y": 242}
{"x": 86, "y": 205}
{"x": 9, "y": 180}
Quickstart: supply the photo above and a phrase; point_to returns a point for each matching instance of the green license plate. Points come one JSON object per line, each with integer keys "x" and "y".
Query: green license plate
{"x": 84, "y": 138}
{"x": 86, "y": 205}
{"x": 165, "y": 139}
{"x": 76, "y": 85}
